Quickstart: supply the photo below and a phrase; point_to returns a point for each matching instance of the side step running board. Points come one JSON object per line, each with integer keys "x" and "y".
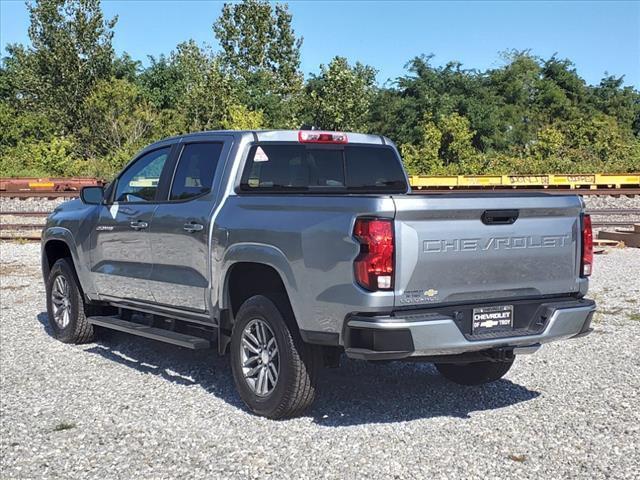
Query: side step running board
{"x": 180, "y": 339}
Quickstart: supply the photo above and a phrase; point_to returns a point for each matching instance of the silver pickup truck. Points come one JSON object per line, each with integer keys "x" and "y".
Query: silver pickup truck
{"x": 290, "y": 248}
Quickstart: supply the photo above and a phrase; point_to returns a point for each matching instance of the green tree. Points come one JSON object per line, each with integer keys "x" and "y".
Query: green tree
{"x": 55, "y": 157}
{"x": 160, "y": 82}
{"x": 456, "y": 146}
{"x": 257, "y": 37}
{"x": 126, "y": 67}
{"x": 118, "y": 122}
{"x": 239, "y": 117}
{"x": 205, "y": 91}
{"x": 339, "y": 98}
{"x": 23, "y": 126}
{"x": 550, "y": 142}
{"x": 70, "y": 52}
{"x": 444, "y": 148}
{"x": 194, "y": 92}
{"x": 189, "y": 86}
{"x": 623, "y": 103}
{"x": 262, "y": 54}
{"x": 424, "y": 158}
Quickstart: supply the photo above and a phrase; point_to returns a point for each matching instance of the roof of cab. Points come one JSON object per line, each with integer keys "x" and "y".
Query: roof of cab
{"x": 281, "y": 136}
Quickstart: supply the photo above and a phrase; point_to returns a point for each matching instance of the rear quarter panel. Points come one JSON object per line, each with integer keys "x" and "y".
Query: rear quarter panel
{"x": 308, "y": 240}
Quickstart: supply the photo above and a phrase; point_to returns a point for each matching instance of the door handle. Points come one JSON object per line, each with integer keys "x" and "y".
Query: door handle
{"x": 499, "y": 217}
{"x": 193, "y": 227}
{"x": 137, "y": 225}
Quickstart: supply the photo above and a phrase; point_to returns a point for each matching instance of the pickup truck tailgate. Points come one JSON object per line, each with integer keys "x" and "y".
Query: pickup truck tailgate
{"x": 464, "y": 247}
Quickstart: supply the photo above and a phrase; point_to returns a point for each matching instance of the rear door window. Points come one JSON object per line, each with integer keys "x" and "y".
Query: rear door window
{"x": 290, "y": 168}
{"x": 195, "y": 170}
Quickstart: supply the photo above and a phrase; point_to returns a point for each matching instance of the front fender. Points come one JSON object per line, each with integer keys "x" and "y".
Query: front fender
{"x": 65, "y": 235}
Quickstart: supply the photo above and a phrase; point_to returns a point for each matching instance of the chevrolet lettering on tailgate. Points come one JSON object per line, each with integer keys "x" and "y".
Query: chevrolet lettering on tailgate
{"x": 494, "y": 243}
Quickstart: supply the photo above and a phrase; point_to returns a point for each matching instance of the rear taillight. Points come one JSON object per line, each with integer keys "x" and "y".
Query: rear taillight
{"x": 314, "y": 136}
{"x": 374, "y": 266}
{"x": 587, "y": 246}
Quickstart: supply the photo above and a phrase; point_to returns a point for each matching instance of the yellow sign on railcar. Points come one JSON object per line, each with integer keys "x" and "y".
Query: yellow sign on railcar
{"x": 41, "y": 184}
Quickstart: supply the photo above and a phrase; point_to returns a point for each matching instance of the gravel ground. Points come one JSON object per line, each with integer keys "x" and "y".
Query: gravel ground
{"x": 21, "y": 220}
{"x": 34, "y": 204}
{"x": 595, "y": 201}
{"x": 131, "y": 408}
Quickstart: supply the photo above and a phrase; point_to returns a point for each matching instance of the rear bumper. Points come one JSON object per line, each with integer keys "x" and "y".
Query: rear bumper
{"x": 429, "y": 333}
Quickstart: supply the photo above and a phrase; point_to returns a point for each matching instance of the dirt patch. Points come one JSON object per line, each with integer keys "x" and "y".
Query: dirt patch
{"x": 17, "y": 270}
{"x": 13, "y": 287}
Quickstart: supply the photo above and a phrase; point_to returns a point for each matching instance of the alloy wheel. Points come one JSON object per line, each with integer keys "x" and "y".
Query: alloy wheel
{"x": 61, "y": 299}
{"x": 260, "y": 357}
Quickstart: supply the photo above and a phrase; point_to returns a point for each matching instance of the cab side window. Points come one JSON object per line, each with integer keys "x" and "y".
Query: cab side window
{"x": 195, "y": 170}
{"x": 139, "y": 183}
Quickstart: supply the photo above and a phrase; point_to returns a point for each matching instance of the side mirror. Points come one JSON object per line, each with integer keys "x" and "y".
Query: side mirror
{"x": 92, "y": 195}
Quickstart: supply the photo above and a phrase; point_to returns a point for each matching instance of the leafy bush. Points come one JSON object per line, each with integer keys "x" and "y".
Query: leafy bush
{"x": 54, "y": 157}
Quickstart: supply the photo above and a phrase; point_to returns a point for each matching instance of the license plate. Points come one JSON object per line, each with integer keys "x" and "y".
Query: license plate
{"x": 492, "y": 319}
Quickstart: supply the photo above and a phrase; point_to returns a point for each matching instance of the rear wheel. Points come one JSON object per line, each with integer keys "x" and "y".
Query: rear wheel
{"x": 273, "y": 369}
{"x": 477, "y": 373}
{"x": 66, "y": 306}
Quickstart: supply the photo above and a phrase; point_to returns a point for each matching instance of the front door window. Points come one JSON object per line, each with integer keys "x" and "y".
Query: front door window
{"x": 139, "y": 183}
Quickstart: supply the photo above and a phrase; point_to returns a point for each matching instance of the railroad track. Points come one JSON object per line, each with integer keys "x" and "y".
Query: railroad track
{"x": 24, "y": 213}
{"x": 19, "y": 231}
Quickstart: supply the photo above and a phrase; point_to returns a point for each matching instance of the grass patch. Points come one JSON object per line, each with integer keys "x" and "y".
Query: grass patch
{"x": 634, "y": 316}
{"x": 64, "y": 426}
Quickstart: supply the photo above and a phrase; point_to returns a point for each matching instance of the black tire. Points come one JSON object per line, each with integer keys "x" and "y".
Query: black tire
{"x": 77, "y": 330}
{"x": 299, "y": 362}
{"x": 474, "y": 373}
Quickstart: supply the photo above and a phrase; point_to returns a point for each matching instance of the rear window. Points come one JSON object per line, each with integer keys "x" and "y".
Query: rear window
{"x": 332, "y": 169}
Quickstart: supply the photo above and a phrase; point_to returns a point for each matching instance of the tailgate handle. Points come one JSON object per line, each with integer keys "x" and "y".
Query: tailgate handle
{"x": 499, "y": 217}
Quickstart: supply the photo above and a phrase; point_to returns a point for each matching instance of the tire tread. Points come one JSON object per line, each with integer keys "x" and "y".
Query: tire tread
{"x": 83, "y": 331}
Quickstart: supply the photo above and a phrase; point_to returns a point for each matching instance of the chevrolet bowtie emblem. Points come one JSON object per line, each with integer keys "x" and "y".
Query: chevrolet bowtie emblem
{"x": 431, "y": 292}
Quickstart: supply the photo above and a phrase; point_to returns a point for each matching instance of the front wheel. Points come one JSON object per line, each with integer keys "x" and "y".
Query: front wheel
{"x": 273, "y": 369}
{"x": 66, "y": 306}
{"x": 477, "y": 373}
